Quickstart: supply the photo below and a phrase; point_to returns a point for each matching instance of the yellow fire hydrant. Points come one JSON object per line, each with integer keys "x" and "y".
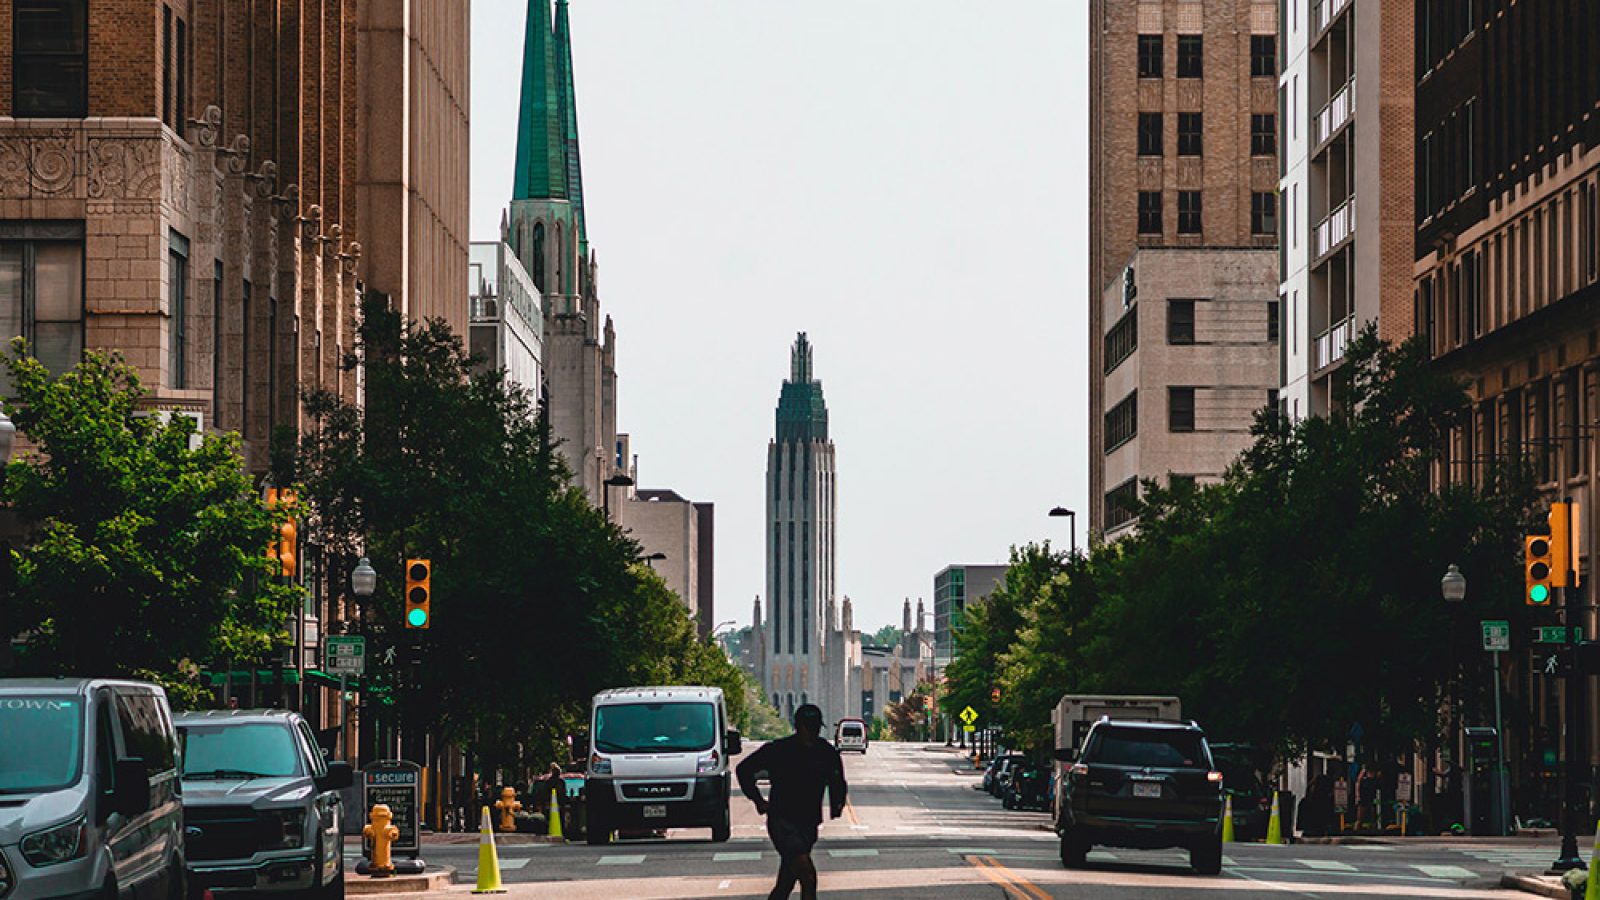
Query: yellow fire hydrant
{"x": 509, "y": 806}
{"x": 380, "y": 831}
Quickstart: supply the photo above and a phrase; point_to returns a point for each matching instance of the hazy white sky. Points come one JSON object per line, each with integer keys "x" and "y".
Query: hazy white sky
{"x": 902, "y": 179}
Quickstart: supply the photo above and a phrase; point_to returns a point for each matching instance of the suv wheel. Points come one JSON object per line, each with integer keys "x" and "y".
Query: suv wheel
{"x": 1074, "y": 851}
{"x": 723, "y": 830}
{"x": 1206, "y": 858}
{"x": 596, "y": 832}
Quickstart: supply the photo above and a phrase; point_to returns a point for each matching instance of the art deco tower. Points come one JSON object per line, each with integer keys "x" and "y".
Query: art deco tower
{"x": 801, "y": 497}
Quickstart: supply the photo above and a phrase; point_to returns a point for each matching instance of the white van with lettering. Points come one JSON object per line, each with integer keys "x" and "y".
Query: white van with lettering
{"x": 658, "y": 759}
{"x": 90, "y": 801}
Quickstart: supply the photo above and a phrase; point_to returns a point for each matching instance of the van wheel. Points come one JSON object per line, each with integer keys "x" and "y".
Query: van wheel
{"x": 597, "y": 833}
{"x": 724, "y": 830}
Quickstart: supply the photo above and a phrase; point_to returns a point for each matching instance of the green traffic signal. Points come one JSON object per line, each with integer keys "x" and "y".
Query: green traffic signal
{"x": 417, "y": 618}
{"x": 1539, "y": 594}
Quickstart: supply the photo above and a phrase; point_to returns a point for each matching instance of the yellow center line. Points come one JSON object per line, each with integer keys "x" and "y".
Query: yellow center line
{"x": 1014, "y": 884}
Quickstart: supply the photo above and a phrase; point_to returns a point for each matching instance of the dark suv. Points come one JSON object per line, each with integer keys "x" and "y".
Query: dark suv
{"x": 1144, "y": 785}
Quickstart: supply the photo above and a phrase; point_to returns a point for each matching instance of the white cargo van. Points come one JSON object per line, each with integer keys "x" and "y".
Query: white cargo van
{"x": 658, "y": 758}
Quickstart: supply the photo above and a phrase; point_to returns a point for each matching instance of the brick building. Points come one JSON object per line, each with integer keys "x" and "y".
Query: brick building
{"x": 203, "y": 186}
{"x": 1182, "y": 154}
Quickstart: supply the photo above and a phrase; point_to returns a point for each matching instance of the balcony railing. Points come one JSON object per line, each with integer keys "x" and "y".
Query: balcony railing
{"x": 1324, "y": 12}
{"x": 1329, "y": 347}
{"x": 1336, "y": 227}
{"x": 1336, "y": 112}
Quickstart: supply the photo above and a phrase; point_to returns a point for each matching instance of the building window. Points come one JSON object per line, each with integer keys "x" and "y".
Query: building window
{"x": 1273, "y": 311}
{"x": 1263, "y": 56}
{"x": 1120, "y": 503}
{"x": 49, "y": 60}
{"x": 1272, "y": 400}
{"x": 177, "y": 305}
{"x": 1189, "y": 56}
{"x": 1149, "y": 134}
{"x": 1180, "y": 321}
{"x": 1188, "y": 212}
{"x": 1149, "y": 56}
{"x": 1149, "y": 212}
{"x": 1180, "y": 409}
{"x": 1263, "y": 134}
{"x": 1263, "y": 213}
{"x": 1190, "y": 125}
{"x": 1122, "y": 422}
{"x": 41, "y": 290}
{"x": 1122, "y": 339}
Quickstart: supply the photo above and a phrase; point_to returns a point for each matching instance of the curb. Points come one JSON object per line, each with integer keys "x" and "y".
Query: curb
{"x": 1533, "y": 884}
{"x": 1348, "y": 840}
{"x": 435, "y": 879}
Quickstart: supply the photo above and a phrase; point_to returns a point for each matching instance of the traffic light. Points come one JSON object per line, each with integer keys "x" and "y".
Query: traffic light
{"x": 418, "y": 593}
{"x": 282, "y": 548}
{"x": 1537, "y": 570}
{"x": 994, "y": 695}
{"x": 1560, "y": 544}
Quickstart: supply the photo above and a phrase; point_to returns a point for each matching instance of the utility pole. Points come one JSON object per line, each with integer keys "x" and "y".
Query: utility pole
{"x": 1573, "y": 777}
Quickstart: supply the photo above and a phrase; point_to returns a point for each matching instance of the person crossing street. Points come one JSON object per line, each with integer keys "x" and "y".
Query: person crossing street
{"x": 799, "y": 768}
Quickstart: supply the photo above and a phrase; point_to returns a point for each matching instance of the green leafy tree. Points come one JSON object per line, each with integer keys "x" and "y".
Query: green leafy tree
{"x": 887, "y": 636}
{"x": 147, "y": 554}
{"x": 986, "y": 630}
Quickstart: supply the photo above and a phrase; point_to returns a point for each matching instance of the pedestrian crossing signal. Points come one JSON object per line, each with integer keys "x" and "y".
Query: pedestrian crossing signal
{"x": 1538, "y": 570}
{"x": 418, "y": 593}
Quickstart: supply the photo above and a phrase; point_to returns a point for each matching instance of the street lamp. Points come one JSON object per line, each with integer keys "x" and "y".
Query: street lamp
{"x": 1072, "y": 517}
{"x": 620, "y": 479}
{"x": 8, "y": 443}
{"x": 1453, "y": 585}
{"x": 363, "y": 581}
{"x": 652, "y": 558}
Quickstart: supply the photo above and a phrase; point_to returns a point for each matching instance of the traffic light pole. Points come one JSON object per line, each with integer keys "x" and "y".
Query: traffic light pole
{"x": 1573, "y": 777}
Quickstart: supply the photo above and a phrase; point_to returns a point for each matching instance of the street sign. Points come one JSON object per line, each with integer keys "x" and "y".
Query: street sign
{"x": 967, "y": 728}
{"x": 1403, "y": 784}
{"x": 1550, "y": 634}
{"x": 969, "y": 716}
{"x": 1551, "y": 664}
{"x": 345, "y": 654}
{"x": 396, "y": 783}
{"x": 1341, "y": 794}
{"x": 1496, "y": 636}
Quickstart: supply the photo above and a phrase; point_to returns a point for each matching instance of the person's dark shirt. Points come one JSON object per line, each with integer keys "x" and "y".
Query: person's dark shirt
{"x": 798, "y": 774}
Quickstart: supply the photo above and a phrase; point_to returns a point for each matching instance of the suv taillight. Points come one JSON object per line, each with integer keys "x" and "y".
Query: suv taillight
{"x": 1214, "y": 777}
{"x": 1078, "y": 770}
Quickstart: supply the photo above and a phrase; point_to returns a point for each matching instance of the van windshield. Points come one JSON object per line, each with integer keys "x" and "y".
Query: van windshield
{"x": 243, "y": 750}
{"x": 654, "y": 727}
{"x": 43, "y": 745}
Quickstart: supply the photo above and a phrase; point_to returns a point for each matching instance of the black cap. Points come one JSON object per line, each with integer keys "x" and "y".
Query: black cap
{"x": 808, "y": 714}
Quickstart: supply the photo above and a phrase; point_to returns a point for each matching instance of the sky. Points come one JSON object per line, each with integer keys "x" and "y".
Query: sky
{"x": 903, "y": 180}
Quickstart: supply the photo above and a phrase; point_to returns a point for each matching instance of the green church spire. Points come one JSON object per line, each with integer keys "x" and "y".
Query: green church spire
{"x": 569, "y": 118}
{"x": 541, "y": 165}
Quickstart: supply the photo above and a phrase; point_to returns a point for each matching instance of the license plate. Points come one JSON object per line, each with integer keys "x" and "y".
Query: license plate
{"x": 1144, "y": 789}
{"x": 655, "y": 811}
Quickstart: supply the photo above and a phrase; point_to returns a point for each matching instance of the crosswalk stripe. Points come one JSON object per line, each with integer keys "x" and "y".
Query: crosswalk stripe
{"x": 1445, "y": 871}
{"x": 1102, "y": 856}
{"x": 1228, "y": 861}
{"x": 850, "y": 853}
{"x": 737, "y": 856}
{"x": 628, "y": 860}
{"x": 1326, "y": 865}
{"x": 515, "y": 863}
{"x": 970, "y": 851}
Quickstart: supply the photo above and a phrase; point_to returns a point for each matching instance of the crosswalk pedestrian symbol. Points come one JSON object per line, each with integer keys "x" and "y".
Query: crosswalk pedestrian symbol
{"x": 969, "y": 715}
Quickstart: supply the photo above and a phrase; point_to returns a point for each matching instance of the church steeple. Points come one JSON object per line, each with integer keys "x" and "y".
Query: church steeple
{"x": 541, "y": 165}
{"x": 569, "y": 122}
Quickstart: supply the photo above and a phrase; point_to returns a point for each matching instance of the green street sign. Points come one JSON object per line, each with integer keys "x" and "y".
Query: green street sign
{"x": 1496, "y": 636}
{"x": 968, "y": 716}
{"x": 345, "y": 654}
{"x": 1552, "y": 634}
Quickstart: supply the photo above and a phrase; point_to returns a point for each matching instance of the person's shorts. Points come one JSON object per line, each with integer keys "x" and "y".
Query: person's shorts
{"x": 791, "y": 838}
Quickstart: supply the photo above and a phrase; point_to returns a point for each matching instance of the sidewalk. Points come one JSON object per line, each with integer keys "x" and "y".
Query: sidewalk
{"x": 1538, "y": 885}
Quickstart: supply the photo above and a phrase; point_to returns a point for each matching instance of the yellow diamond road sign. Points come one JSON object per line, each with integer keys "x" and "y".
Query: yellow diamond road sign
{"x": 969, "y": 715}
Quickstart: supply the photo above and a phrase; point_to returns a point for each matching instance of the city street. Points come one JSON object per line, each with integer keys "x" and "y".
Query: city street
{"x": 915, "y": 828}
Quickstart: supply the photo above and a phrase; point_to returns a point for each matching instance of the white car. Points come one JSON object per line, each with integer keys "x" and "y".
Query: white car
{"x": 850, "y": 734}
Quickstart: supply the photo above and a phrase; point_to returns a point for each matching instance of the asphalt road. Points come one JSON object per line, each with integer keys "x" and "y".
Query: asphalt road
{"x": 916, "y": 829}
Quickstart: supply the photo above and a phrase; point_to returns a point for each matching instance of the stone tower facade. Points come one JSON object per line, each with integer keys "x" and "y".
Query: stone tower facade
{"x": 546, "y": 231}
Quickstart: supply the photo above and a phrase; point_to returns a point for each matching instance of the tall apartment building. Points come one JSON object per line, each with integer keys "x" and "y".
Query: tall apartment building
{"x": 1507, "y": 270}
{"x": 955, "y": 587}
{"x": 1347, "y": 135}
{"x": 201, "y": 186}
{"x": 1182, "y": 154}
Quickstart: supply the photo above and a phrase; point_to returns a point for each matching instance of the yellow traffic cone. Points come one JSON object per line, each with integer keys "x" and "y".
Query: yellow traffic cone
{"x": 488, "y": 861}
{"x": 1227, "y": 820}
{"x": 1591, "y": 888}
{"x": 555, "y": 815}
{"x": 1275, "y": 824}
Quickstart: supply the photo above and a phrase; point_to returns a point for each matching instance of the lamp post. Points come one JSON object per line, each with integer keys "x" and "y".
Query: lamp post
{"x": 1453, "y": 587}
{"x": 8, "y": 444}
{"x": 620, "y": 479}
{"x": 363, "y": 582}
{"x": 1072, "y": 518}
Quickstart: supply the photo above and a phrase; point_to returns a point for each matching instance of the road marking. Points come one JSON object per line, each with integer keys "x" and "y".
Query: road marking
{"x": 1228, "y": 861}
{"x": 513, "y": 863}
{"x": 859, "y": 827}
{"x": 628, "y": 860}
{"x": 850, "y": 853}
{"x": 1013, "y": 884}
{"x": 971, "y": 851}
{"x": 1326, "y": 865}
{"x": 724, "y": 884}
{"x": 1102, "y": 856}
{"x": 1445, "y": 871}
{"x": 737, "y": 856}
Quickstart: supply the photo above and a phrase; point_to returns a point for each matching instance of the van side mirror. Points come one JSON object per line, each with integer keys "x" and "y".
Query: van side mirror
{"x": 132, "y": 794}
{"x": 735, "y": 747}
{"x": 1065, "y": 754}
{"x": 340, "y": 776}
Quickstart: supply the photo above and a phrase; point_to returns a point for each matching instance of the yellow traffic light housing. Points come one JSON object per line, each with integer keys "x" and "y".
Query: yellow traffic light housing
{"x": 1560, "y": 545}
{"x": 282, "y": 548}
{"x": 418, "y": 593}
{"x": 1537, "y": 570}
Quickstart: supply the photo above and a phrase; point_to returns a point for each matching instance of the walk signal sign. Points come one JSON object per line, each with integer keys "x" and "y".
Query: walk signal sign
{"x": 1538, "y": 570}
{"x": 418, "y": 593}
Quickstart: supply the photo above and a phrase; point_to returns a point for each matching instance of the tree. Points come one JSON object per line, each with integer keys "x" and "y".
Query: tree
{"x": 887, "y": 636}
{"x": 148, "y": 549}
{"x": 984, "y": 633}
